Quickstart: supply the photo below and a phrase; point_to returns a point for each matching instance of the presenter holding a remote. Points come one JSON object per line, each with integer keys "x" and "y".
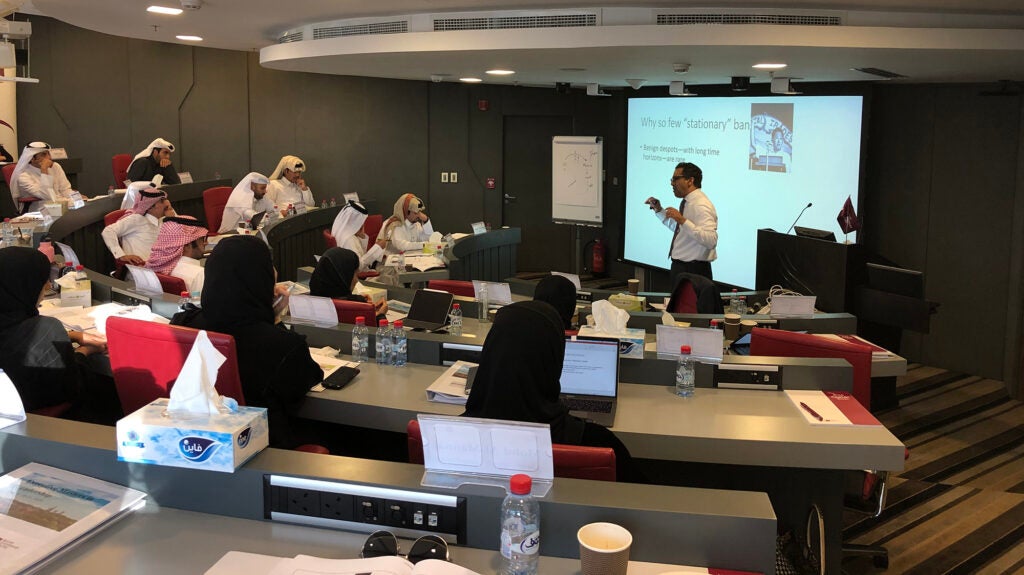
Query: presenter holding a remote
{"x": 694, "y": 225}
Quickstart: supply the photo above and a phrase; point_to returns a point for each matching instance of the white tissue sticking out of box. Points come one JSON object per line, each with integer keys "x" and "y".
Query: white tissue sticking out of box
{"x": 193, "y": 392}
{"x": 11, "y": 409}
{"x": 67, "y": 281}
{"x": 608, "y": 318}
{"x": 667, "y": 319}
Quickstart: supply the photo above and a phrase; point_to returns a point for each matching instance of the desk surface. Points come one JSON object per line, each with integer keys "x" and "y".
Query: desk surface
{"x": 723, "y": 426}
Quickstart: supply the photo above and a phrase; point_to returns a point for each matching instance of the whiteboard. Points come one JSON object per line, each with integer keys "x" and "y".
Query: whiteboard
{"x": 576, "y": 180}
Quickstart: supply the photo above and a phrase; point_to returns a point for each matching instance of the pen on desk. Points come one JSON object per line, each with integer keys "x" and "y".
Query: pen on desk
{"x": 808, "y": 409}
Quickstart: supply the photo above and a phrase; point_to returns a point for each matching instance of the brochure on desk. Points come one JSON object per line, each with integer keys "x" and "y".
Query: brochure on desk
{"x": 45, "y": 511}
{"x": 830, "y": 408}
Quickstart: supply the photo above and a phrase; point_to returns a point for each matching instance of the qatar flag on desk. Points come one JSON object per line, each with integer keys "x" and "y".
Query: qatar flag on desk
{"x": 847, "y": 218}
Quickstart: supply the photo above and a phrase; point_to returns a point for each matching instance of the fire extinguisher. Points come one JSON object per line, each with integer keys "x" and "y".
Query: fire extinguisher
{"x": 597, "y": 255}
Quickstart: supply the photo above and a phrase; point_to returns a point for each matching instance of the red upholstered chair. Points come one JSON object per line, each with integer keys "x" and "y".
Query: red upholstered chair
{"x": 54, "y": 410}
{"x": 8, "y": 171}
{"x": 120, "y": 163}
{"x": 172, "y": 285}
{"x": 214, "y": 200}
{"x": 146, "y": 357}
{"x": 113, "y": 216}
{"x": 684, "y": 298}
{"x": 781, "y": 343}
{"x": 570, "y": 461}
{"x": 454, "y": 287}
{"x": 348, "y": 311}
{"x": 329, "y": 240}
{"x": 372, "y": 227}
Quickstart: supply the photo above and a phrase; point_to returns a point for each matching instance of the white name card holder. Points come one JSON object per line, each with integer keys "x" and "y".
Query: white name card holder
{"x": 185, "y": 177}
{"x": 58, "y": 154}
{"x": 705, "y": 344}
{"x": 793, "y": 305}
{"x": 467, "y": 450}
{"x": 478, "y": 228}
{"x": 575, "y": 279}
{"x": 145, "y": 280}
{"x": 75, "y": 200}
{"x": 497, "y": 292}
{"x": 351, "y": 196}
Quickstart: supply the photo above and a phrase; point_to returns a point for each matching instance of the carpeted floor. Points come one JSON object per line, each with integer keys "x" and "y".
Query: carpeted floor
{"x": 958, "y": 507}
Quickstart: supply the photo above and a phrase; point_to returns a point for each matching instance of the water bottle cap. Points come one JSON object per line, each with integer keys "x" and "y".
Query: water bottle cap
{"x": 456, "y": 306}
{"x": 7, "y": 220}
{"x": 360, "y": 320}
{"x": 714, "y": 323}
{"x": 382, "y": 323}
{"x": 685, "y": 350}
{"x": 184, "y": 294}
{"x": 79, "y": 267}
{"x": 520, "y": 484}
{"x": 398, "y": 323}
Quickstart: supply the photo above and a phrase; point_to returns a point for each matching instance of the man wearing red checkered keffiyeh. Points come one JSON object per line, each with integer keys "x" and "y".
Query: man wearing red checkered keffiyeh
{"x": 131, "y": 238}
{"x": 178, "y": 248}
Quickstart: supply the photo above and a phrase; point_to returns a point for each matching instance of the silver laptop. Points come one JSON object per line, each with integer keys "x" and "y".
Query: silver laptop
{"x": 590, "y": 378}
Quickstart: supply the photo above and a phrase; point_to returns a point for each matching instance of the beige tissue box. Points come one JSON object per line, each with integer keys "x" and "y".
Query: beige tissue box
{"x": 80, "y": 295}
{"x": 628, "y": 302}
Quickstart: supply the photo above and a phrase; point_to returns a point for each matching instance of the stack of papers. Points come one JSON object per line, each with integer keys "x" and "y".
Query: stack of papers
{"x": 454, "y": 384}
{"x": 238, "y": 562}
{"x": 424, "y": 262}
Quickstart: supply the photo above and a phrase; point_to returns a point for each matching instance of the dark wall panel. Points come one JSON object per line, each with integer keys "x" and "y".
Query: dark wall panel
{"x": 214, "y": 117}
{"x": 160, "y": 76}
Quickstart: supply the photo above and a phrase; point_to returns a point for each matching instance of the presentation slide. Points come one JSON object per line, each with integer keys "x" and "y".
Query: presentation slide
{"x": 763, "y": 160}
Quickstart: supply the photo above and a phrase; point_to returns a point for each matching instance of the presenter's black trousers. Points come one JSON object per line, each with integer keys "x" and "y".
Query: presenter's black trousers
{"x": 700, "y": 268}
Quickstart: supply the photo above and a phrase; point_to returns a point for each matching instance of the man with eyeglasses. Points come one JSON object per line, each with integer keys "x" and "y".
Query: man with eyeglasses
{"x": 288, "y": 185}
{"x": 154, "y": 160}
{"x": 694, "y": 225}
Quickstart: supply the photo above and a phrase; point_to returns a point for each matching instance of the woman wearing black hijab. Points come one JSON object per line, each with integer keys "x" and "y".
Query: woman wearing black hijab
{"x": 273, "y": 363}
{"x": 561, "y": 294}
{"x": 335, "y": 277}
{"x": 518, "y": 380}
{"x": 36, "y": 351}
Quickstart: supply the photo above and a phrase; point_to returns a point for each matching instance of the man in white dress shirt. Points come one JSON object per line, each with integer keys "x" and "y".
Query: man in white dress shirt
{"x": 38, "y": 177}
{"x": 288, "y": 185}
{"x": 694, "y": 225}
{"x": 131, "y": 238}
{"x": 247, "y": 199}
{"x": 409, "y": 227}
{"x": 178, "y": 249}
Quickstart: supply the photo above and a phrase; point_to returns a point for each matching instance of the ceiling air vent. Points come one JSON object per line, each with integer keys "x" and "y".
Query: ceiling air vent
{"x": 393, "y": 27}
{"x": 492, "y": 23}
{"x": 293, "y": 37}
{"x": 777, "y": 19}
{"x": 880, "y": 73}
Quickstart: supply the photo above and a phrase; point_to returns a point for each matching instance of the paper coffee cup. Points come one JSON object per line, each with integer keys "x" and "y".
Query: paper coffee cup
{"x": 604, "y": 549}
{"x": 733, "y": 318}
{"x": 746, "y": 326}
{"x": 633, "y": 285}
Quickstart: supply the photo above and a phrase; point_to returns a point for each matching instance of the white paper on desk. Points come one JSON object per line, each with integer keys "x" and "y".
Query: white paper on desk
{"x": 575, "y": 279}
{"x": 313, "y": 309}
{"x": 235, "y": 562}
{"x": 793, "y": 305}
{"x": 102, "y": 312}
{"x": 11, "y": 409}
{"x": 68, "y": 253}
{"x": 423, "y": 262}
{"x": 704, "y": 343}
{"x": 76, "y": 317}
{"x": 450, "y": 387}
{"x": 497, "y": 292}
{"x": 391, "y": 565}
{"x": 145, "y": 280}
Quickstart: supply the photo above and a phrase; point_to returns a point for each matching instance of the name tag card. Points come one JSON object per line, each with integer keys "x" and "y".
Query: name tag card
{"x": 704, "y": 343}
{"x": 75, "y": 200}
{"x": 575, "y": 279}
{"x": 312, "y": 309}
{"x": 793, "y": 305}
{"x": 185, "y": 177}
{"x": 68, "y": 253}
{"x": 478, "y": 228}
{"x": 145, "y": 280}
{"x": 353, "y": 196}
{"x": 499, "y": 293}
{"x": 460, "y": 450}
{"x": 58, "y": 154}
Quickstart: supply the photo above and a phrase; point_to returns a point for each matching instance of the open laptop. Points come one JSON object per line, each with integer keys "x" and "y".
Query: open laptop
{"x": 428, "y": 310}
{"x": 590, "y": 378}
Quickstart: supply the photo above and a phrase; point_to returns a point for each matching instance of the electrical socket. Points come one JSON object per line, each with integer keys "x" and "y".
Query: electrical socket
{"x": 444, "y": 177}
{"x": 303, "y": 502}
{"x": 453, "y": 177}
{"x": 336, "y": 506}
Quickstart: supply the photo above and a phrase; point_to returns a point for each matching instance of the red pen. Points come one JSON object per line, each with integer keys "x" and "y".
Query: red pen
{"x": 808, "y": 409}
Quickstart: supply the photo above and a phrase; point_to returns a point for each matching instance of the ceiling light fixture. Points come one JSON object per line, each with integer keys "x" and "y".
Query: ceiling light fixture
{"x": 471, "y": 80}
{"x": 164, "y": 10}
{"x": 188, "y": 38}
{"x": 769, "y": 66}
{"x": 500, "y": 72}
{"x": 636, "y": 83}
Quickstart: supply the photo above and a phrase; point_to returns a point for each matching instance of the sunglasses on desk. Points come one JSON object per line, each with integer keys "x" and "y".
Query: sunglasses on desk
{"x": 384, "y": 544}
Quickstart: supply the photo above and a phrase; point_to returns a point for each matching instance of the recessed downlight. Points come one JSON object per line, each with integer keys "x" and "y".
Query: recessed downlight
{"x": 164, "y": 10}
{"x": 769, "y": 66}
{"x": 500, "y": 72}
{"x": 187, "y": 38}
{"x": 470, "y": 80}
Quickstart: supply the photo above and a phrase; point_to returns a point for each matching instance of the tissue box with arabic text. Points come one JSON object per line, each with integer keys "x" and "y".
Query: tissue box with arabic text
{"x": 221, "y": 442}
{"x": 631, "y": 341}
{"x": 80, "y": 295}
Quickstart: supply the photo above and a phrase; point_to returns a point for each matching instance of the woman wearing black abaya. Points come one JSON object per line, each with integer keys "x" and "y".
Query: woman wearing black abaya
{"x": 520, "y": 366}
{"x": 274, "y": 363}
{"x": 36, "y": 351}
{"x": 561, "y": 294}
{"x": 335, "y": 277}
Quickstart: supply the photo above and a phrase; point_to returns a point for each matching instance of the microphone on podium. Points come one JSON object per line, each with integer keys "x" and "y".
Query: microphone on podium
{"x": 798, "y": 217}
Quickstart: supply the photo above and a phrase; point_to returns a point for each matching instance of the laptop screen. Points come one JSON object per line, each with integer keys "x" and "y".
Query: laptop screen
{"x": 430, "y": 306}
{"x": 591, "y": 367}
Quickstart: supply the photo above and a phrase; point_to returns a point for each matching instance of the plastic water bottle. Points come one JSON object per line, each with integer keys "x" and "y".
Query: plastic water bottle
{"x": 684, "y": 373}
{"x": 360, "y": 341}
{"x": 741, "y": 305}
{"x": 520, "y": 529}
{"x": 399, "y": 344}
{"x": 323, "y": 204}
{"x": 333, "y": 202}
{"x": 80, "y": 275}
{"x": 734, "y": 301}
{"x": 186, "y": 298}
{"x": 485, "y": 304}
{"x": 401, "y": 261}
{"x": 196, "y": 299}
{"x": 68, "y": 268}
{"x": 383, "y": 341}
{"x": 456, "y": 320}
{"x": 8, "y": 236}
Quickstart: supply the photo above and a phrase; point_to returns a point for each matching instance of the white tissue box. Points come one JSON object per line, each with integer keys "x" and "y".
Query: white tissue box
{"x": 628, "y": 302}
{"x": 81, "y": 295}
{"x": 377, "y": 295}
{"x": 221, "y": 442}
{"x": 631, "y": 340}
